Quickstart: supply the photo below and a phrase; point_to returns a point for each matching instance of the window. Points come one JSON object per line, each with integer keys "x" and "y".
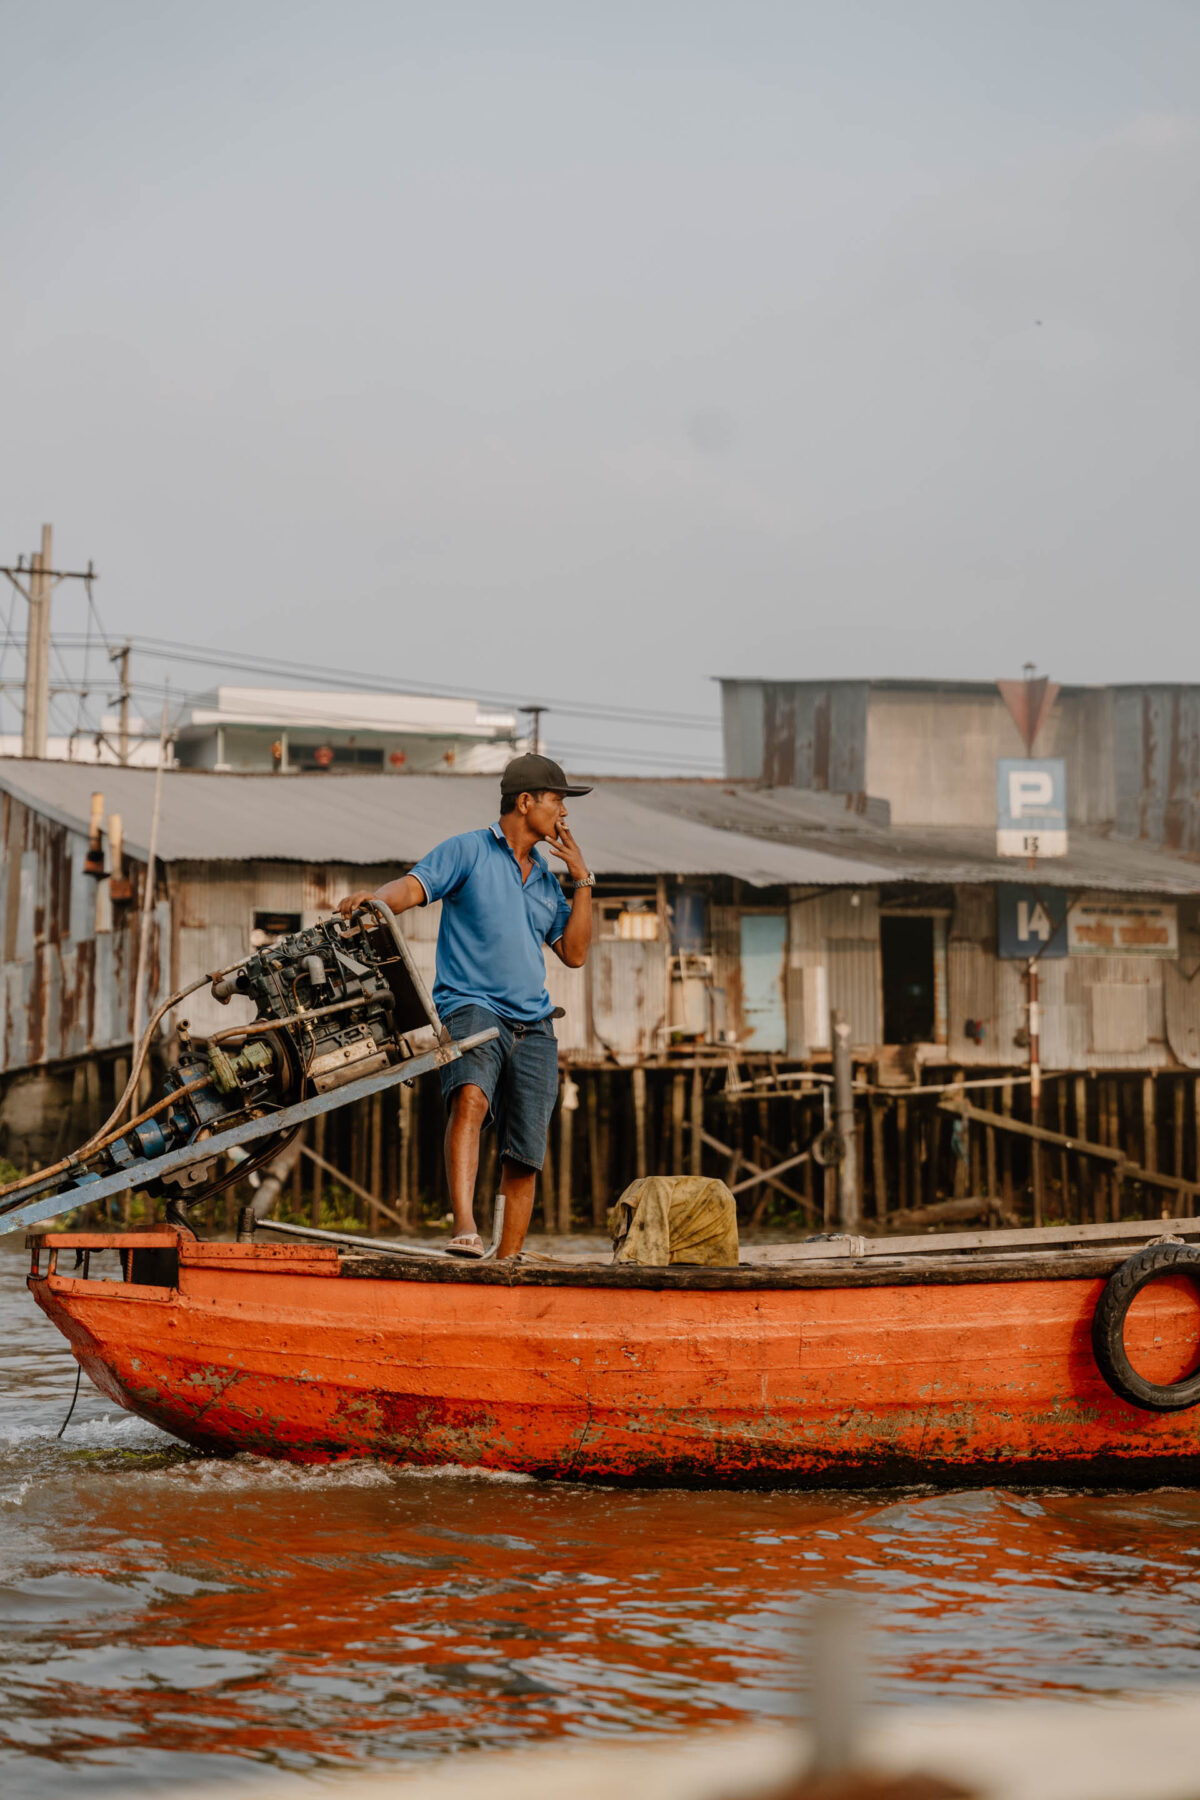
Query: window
{"x": 269, "y": 927}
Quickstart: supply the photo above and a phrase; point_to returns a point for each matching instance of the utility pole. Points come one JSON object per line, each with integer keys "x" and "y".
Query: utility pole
{"x": 35, "y": 585}
{"x": 37, "y": 652}
{"x": 121, "y": 658}
{"x": 535, "y": 714}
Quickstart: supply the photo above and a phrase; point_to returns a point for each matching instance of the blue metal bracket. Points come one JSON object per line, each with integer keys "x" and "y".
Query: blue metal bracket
{"x": 20, "y": 1213}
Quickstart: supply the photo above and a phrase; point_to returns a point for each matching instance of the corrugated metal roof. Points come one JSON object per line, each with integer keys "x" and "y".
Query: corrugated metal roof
{"x": 628, "y": 826}
{"x": 376, "y": 818}
{"x": 934, "y": 854}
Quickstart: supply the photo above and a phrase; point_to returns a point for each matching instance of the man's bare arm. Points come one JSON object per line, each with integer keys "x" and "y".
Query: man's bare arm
{"x": 399, "y": 895}
{"x": 573, "y": 946}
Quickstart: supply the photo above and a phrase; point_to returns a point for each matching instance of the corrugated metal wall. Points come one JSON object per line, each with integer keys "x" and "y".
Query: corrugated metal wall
{"x": 69, "y": 959}
{"x": 802, "y": 734}
{"x": 67, "y": 972}
{"x": 1158, "y": 765}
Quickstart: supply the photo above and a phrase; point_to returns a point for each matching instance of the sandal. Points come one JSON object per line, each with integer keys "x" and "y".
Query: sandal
{"x": 468, "y": 1244}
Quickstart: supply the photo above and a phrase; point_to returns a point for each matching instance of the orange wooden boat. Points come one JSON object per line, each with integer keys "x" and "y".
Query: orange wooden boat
{"x": 858, "y": 1362}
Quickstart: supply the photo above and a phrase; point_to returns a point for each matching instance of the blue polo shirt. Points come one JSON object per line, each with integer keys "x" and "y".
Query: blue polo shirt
{"x": 493, "y": 926}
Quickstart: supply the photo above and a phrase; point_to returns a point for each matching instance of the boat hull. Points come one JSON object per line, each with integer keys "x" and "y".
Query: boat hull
{"x": 273, "y": 1350}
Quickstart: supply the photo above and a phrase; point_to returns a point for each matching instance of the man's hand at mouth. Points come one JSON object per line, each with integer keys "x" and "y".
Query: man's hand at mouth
{"x": 564, "y": 846}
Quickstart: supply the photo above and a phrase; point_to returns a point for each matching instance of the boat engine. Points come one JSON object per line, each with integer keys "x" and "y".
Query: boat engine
{"x": 333, "y": 1003}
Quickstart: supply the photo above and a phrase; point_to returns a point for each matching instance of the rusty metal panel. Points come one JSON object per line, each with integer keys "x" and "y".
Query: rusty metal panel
{"x": 814, "y": 735}
{"x": 725, "y": 932}
{"x": 971, "y": 976}
{"x": 1071, "y": 1017}
{"x": 806, "y": 987}
{"x": 568, "y": 988}
{"x": 991, "y": 992}
{"x": 853, "y": 969}
{"x": 850, "y": 932}
{"x": 1157, "y": 757}
{"x": 742, "y": 729}
{"x": 1117, "y": 1016}
{"x": 1181, "y": 1006}
{"x": 629, "y": 996}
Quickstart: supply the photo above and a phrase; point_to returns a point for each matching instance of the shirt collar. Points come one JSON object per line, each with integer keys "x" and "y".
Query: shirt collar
{"x": 497, "y": 831}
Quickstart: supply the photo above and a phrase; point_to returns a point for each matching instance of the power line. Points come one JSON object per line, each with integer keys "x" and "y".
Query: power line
{"x": 168, "y": 649}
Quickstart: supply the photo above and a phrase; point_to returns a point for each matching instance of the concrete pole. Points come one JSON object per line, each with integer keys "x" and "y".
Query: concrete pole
{"x": 849, "y": 1214}
{"x": 36, "y": 717}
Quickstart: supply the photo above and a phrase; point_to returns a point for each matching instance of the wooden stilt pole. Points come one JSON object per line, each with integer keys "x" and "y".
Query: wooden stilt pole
{"x": 902, "y": 1151}
{"x": 1064, "y": 1167}
{"x": 375, "y": 1146}
{"x": 318, "y": 1174}
{"x": 678, "y": 1109}
{"x": 1149, "y": 1122}
{"x": 639, "y": 1120}
{"x": 549, "y": 1190}
{"x": 878, "y": 1163}
{"x": 1035, "y": 1164}
{"x": 1088, "y": 1190}
{"x": 1006, "y": 1106}
{"x": 566, "y": 1147}
{"x": 697, "y": 1143}
{"x": 597, "y": 1187}
{"x": 404, "y": 1192}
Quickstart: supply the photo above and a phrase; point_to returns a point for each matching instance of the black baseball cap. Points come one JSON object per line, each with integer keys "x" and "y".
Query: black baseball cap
{"x": 530, "y": 774}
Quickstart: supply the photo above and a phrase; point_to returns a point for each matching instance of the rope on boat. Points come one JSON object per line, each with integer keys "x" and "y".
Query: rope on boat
{"x": 74, "y": 1398}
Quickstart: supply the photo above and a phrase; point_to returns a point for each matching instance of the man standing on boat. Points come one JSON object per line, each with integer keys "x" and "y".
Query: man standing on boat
{"x": 501, "y": 903}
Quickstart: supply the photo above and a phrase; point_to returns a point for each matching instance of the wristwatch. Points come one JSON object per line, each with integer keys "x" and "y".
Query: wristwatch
{"x": 587, "y": 881}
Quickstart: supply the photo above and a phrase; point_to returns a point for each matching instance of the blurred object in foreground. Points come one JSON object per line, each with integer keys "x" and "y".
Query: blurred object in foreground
{"x": 1106, "y": 1750}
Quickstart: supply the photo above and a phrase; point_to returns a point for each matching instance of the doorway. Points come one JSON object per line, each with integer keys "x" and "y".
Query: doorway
{"x": 764, "y": 970}
{"x": 909, "y": 1001}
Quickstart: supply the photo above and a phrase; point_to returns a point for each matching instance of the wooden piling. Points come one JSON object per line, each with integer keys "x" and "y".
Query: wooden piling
{"x": 678, "y": 1109}
{"x": 596, "y": 1183}
{"x": 1149, "y": 1122}
{"x": 697, "y": 1143}
{"x": 878, "y": 1159}
{"x": 902, "y": 1151}
{"x": 1064, "y": 1166}
{"x": 549, "y": 1189}
{"x": 1035, "y": 1164}
{"x": 317, "y": 1175}
{"x": 375, "y": 1147}
{"x": 1006, "y": 1152}
{"x": 1088, "y": 1188}
{"x": 404, "y": 1189}
{"x": 566, "y": 1145}
{"x": 639, "y": 1121}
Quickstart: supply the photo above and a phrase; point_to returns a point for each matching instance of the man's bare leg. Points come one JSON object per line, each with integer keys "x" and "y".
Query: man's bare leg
{"x": 468, "y": 1111}
{"x": 519, "y": 1184}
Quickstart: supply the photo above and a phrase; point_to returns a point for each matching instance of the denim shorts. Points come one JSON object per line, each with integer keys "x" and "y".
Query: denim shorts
{"x": 518, "y": 1071}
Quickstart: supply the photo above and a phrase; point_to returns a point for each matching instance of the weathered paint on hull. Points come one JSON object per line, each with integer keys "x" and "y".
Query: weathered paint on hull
{"x": 265, "y": 1349}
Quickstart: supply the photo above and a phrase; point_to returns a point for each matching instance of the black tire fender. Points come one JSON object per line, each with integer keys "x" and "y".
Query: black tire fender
{"x": 1108, "y": 1328}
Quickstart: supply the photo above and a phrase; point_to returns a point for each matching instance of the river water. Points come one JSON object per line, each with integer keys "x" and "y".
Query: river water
{"x": 165, "y": 1618}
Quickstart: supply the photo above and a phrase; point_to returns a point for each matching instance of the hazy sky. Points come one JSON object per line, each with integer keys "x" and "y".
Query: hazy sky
{"x": 592, "y": 350}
